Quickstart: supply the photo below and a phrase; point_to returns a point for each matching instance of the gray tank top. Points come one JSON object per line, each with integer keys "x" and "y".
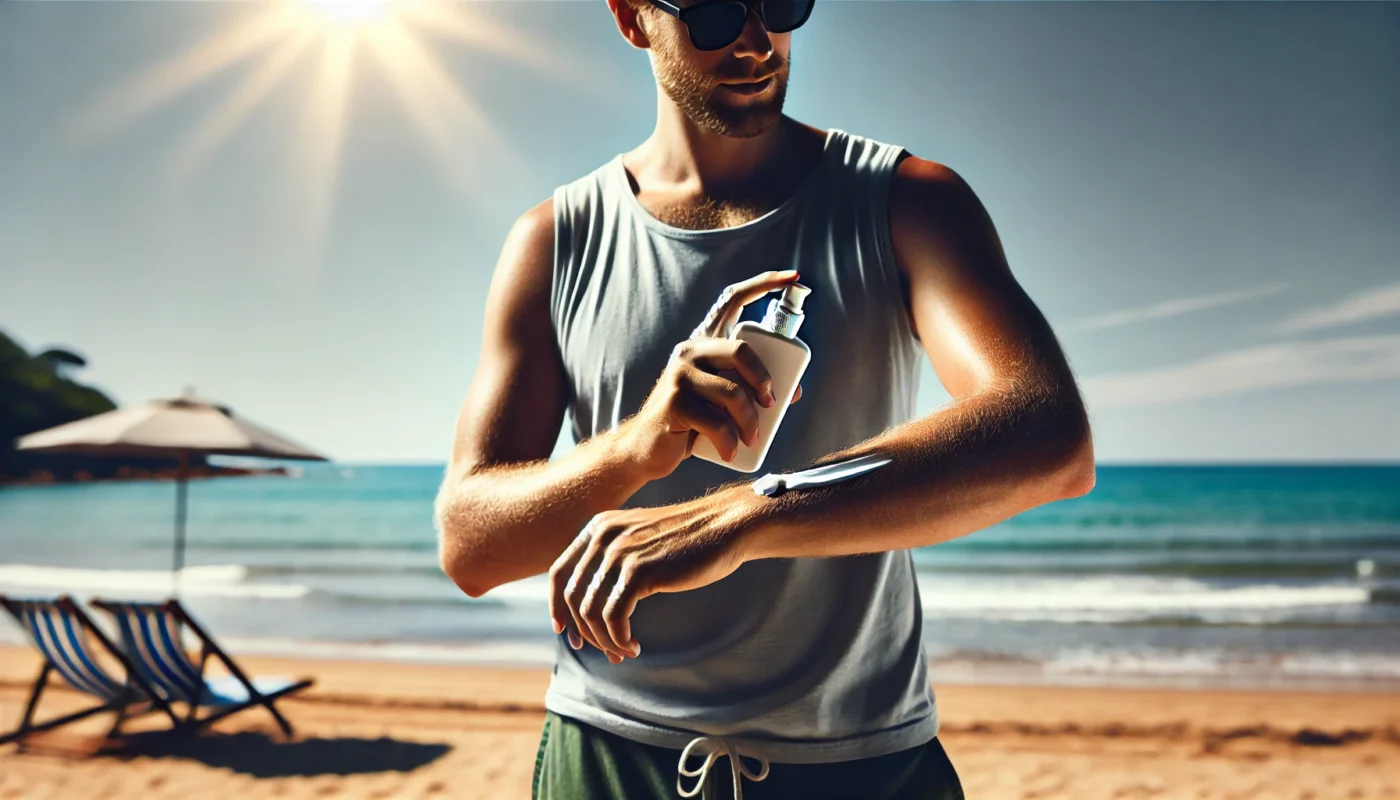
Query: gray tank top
{"x": 792, "y": 660}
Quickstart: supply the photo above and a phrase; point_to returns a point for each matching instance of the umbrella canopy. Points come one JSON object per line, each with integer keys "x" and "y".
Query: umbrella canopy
{"x": 175, "y": 427}
{"x": 167, "y": 428}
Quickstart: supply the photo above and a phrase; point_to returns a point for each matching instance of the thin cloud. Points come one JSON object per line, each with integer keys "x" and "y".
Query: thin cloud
{"x": 1285, "y": 364}
{"x": 1177, "y": 307}
{"x": 1382, "y": 301}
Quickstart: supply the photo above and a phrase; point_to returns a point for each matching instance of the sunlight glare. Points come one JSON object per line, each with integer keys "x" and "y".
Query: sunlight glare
{"x": 281, "y": 44}
{"x": 351, "y": 12}
{"x": 190, "y": 157}
{"x": 323, "y": 128}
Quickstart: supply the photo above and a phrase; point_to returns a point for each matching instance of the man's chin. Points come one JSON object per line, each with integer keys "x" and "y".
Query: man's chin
{"x": 749, "y": 121}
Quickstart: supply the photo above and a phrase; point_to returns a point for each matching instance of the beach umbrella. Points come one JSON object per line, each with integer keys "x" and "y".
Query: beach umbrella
{"x": 176, "y": 427}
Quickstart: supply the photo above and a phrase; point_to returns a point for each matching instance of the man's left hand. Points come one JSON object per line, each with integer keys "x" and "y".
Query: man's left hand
{"x": 623, "y": 556}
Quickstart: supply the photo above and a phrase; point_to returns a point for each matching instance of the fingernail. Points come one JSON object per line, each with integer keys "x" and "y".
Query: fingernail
{"x": 636, "y": 649}
{"x": 769, "y": 398}
{"x": 558, "y": 626}
{"x": 574, "y": 641}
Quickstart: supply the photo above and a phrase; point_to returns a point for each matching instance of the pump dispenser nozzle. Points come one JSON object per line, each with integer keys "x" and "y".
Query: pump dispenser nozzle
{"x": 784, "y": 315}
{"x": 793, "y": 297}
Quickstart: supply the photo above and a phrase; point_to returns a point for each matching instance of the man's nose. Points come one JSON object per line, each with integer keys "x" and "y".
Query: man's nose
{"x": 754, "y": 42}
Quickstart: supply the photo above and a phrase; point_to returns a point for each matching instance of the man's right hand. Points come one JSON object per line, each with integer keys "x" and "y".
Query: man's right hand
{"x": 712, "y": 386}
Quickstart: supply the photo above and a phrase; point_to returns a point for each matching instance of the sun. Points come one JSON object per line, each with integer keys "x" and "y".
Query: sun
{"x": 351, "y": 12}
{"x": 332, "y": 42}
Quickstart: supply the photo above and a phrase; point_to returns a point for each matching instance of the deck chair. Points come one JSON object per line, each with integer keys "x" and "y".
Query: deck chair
{"x": 151, "y": 638}
{"x": 65, "y": 637}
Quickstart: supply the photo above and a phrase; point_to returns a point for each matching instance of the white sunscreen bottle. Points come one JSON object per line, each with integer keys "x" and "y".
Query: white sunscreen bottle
{"x": 786, "y": 357}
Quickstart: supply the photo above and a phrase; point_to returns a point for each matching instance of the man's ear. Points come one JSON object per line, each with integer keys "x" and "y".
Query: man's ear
{"x": 629, "y": 23}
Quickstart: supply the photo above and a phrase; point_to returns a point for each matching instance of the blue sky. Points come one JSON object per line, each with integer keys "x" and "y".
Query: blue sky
{"x": 1202, "y": 197}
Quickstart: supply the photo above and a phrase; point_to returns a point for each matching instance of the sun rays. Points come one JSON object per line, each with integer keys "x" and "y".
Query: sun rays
{"x": 331, "y": 41}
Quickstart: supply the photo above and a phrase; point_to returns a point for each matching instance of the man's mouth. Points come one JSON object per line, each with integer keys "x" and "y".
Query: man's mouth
{"x": 750, "y": 87}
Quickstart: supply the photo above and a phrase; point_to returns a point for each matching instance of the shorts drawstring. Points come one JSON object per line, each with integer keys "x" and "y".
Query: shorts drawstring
{"x": 717, "y": 746}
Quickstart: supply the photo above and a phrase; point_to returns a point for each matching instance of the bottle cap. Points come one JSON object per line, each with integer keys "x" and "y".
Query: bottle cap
{"x": 793, "y": 297}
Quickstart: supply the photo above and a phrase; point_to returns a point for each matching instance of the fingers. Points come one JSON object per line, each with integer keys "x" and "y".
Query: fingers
{"x": 796, "y": 394}
{"x": 617, "y": 611}
{"x": 594, "y": 589}
{"x": 585, "y": 573}
{"x": 711, "y": 422}
{"x": 732, "y": 399}
{"x": 717, "y": 355}
{"x": 601, "y": 608}
{"x": 559, "y": 576}
{"x": 595, "y": 573}
{"x": 730, "y": 305}
{"x": 720, "y": 356}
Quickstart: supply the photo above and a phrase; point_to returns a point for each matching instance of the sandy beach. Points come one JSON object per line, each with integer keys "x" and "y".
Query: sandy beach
{"x": 391, "y": 730}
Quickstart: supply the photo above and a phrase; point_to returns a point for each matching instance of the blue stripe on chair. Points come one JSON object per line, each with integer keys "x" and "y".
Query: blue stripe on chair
{"x": 132, "y": 646}
{"x": 95, "y": 673}
{"x": 169, "y": 631}
{"x": 52, "y": 652}
{"x": 143, "y": 649}
{"x": 163, "y": 659}
{"x": 140, "y": 656}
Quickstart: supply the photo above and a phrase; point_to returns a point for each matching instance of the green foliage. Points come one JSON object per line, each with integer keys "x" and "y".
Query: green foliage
{"x": 35, "y": 396}
{"x": 59, "y": 357}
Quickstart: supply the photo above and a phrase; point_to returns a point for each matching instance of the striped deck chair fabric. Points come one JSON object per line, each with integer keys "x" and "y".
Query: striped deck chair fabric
{"x": 151, "y": 636}
{"x": 65, "y": 637}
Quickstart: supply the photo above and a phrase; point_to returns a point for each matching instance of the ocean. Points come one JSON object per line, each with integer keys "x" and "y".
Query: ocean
{"x": 1163, "y": 575}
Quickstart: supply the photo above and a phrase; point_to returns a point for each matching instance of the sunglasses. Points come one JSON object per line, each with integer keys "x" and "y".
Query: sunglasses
{"x": 714, "y": 24}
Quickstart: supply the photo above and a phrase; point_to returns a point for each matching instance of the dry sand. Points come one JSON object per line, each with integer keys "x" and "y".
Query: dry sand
{"x": 407, "y": 731}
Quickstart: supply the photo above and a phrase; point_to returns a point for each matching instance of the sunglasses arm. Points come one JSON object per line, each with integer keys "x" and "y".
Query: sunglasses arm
{"x": 670, "y": 8}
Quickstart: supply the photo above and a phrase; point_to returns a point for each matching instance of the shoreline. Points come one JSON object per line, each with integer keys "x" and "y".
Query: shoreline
{"x": 539, "y": 654}
{"x": 393, "y": 729}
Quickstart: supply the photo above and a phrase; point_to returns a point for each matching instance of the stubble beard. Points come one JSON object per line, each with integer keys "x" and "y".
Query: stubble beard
{"x": 700, "y": 98}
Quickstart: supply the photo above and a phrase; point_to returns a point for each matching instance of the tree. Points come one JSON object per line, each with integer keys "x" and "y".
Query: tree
{"x": 59, "y": 358}
{"x": 34, "y": 395}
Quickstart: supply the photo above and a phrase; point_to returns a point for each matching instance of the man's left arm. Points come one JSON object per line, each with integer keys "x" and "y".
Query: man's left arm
{"x": 1015, "y": 436}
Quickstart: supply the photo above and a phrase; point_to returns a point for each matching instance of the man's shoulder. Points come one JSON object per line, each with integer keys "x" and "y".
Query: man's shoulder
{"x": 925, "y": 186}
{"x": 538, "y": 225}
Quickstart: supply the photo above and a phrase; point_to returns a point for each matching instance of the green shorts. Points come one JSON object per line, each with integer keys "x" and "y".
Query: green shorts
{"x": 580, "y": 762}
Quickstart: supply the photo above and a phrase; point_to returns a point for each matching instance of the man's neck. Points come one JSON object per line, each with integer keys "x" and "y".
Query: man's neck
{"x": 683, "y": 153}
{"x": 696, "y": 179}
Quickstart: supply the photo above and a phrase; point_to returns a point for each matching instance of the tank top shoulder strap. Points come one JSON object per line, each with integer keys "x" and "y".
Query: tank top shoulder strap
{"x": 584, "y": 210}
{"x": 860, "y": 195}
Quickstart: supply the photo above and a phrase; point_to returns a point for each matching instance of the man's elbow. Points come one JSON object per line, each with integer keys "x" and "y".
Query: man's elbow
{"x": 461, "y": 570}
{"x": 1076, "y": 472}
{"x": 455, "y": 557}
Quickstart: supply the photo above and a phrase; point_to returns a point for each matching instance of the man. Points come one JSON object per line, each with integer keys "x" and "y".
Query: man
{"x": 700, "y": 620}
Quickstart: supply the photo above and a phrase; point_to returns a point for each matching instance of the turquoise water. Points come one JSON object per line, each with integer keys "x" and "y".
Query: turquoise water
{"x": 1175, "y": 574}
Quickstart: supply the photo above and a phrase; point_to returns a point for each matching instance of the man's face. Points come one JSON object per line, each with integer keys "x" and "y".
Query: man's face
{"x": 734, "y": 91}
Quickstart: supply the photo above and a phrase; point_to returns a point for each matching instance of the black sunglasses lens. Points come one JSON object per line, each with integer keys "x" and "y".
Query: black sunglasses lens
{"x": 781, "y": 16}
{"x": 716, "y": 25}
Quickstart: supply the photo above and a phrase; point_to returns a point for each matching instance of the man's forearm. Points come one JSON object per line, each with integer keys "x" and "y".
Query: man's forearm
{"x": 970, "y": 465}
{"x": 497, "y": 524}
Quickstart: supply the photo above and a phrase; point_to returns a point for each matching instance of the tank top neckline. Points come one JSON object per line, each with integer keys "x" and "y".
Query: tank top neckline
{"x": 618, "y": 174}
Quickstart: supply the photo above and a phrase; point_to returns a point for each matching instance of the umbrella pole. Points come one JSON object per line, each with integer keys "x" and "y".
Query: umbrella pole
{"x": 181, "y": 504}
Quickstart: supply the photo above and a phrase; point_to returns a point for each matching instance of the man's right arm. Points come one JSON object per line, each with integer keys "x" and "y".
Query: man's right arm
{"x": 505, "y": 511}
